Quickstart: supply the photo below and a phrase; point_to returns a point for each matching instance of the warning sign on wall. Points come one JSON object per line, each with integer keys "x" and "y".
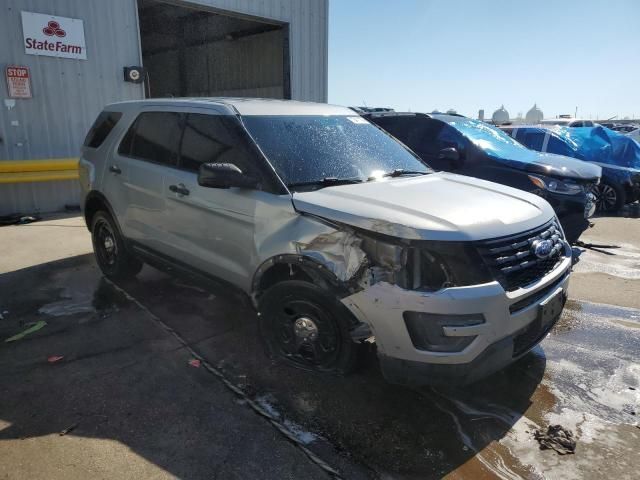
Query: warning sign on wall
{"x": 18, "y": 81}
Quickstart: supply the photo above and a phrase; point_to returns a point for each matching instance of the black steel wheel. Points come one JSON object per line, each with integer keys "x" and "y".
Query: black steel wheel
{"x": 307, "y": 327}
{"x": 609, "y": 197}
{"x": 108, "y": 246}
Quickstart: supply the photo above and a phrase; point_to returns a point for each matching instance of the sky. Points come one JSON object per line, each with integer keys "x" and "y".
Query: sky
{"x": 422, "y": 55}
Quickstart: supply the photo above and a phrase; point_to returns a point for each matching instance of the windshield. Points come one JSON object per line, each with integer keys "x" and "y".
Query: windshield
{"x": 493, "y": 141}
{"x": 306, "y": 149}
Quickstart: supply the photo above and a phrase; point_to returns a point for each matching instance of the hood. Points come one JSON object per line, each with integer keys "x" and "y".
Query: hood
{"x": 438, "y": 206}
{"x": 561, "y": 166}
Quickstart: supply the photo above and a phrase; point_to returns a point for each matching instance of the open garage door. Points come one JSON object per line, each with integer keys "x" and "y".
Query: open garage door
{"x": 188, "y": 51}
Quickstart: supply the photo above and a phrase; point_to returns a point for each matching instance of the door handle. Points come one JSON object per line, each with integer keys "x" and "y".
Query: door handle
{"x": 180, "y": 189}
{"x": 115, "y": 169}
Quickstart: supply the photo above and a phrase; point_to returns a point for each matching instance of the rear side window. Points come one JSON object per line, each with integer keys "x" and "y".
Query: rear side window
{"x": 101, "y": 128}
{"x": 154, "y": 137}
{"x": 533, "y": 140}
{"x": 214, "y": 139}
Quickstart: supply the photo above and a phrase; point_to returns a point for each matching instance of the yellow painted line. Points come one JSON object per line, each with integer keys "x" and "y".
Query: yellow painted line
{"x": 42, "y": 165}
{"x": 25, "y": 177}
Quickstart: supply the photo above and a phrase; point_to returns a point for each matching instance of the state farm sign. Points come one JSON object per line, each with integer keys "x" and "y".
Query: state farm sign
{"x": 53, "y": 36}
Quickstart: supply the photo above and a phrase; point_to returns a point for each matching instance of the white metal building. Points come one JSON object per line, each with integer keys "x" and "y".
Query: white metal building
{"x": 75, "y": 52}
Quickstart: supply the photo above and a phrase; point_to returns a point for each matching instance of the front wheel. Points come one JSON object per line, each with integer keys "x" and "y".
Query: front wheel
{"x": 307, "y": 327}
{"x": 609, "y": 197}
{"x": 108, "y": 246}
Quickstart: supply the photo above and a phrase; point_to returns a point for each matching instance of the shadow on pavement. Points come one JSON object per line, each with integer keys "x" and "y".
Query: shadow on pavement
{"x": 125, "y": 379}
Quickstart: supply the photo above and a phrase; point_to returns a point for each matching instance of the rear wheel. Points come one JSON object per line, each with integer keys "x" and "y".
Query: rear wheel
{"x": 609, "y": 197}
{"x": 307, "y": 327}
{"x": 108, "y": 246}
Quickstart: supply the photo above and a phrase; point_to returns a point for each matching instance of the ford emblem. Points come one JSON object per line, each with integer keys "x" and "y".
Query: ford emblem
{"x": 542, "y": 248}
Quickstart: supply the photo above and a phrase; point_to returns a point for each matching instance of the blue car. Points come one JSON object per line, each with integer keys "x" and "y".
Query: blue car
{"x": 617, "y": 155}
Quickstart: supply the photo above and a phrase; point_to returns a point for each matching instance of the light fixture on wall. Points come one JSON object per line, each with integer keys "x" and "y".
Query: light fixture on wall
{"x": 133, "y": 74}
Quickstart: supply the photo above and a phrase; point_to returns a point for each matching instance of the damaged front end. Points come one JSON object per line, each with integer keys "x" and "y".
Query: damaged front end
{"x": 362, "y": 260}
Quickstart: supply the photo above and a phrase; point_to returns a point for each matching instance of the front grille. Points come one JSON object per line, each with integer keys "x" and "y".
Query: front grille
{"x": 512, "y": 260}
{"x": 535, "y": 297}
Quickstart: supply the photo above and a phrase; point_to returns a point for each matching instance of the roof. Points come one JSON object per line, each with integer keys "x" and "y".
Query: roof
{"x": 445, "y": 117}
{"x": 242, "y": 106}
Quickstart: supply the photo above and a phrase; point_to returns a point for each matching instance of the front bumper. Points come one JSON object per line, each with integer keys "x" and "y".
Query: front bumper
{"x": 573, "y": 211}
{"x": 507, "y": 316}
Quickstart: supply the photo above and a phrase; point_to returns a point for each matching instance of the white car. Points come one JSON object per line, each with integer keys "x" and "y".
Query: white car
{"x": 336, "y": 231}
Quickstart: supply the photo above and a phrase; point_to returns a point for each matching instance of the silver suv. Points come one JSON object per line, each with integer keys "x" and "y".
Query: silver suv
{"x": 336, "y": 230}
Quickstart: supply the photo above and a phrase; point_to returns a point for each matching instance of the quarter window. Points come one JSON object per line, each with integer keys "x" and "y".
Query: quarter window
{"x": 101, "y": 128}
{"x": 155, "y": 137}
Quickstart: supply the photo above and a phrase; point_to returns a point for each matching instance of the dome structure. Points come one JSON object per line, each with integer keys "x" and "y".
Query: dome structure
{"x": 451, "y": 111}
{"x": 500, "y": 116}
{"x": 534, "y": 115}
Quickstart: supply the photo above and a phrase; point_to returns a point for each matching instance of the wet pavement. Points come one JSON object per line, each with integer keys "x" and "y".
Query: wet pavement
{"x": 125, "y": 378}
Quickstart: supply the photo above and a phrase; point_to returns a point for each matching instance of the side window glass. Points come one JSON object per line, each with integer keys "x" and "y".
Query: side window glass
{"x": 558, "y": 146}
{"x": 449, "y": 137}
{"x": 214, "y": 139}
{"x": 101, "y": 128}
{"x": 422, "y": 136}
{"x": 155, "y": 137}
{"x": 395, "y": 126}
{"x": 533, "y": 140}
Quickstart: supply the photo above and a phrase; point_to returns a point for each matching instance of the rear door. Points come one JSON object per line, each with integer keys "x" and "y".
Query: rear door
{"x": 212, "y": 229}
{"x": 147, "y": 151}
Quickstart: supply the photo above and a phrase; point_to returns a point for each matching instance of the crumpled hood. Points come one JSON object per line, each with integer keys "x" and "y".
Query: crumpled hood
{"x": 438, "y": 206}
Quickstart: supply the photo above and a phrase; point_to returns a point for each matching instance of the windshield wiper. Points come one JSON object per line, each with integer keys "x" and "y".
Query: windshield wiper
{"x": 398, "y": 172}
{"x": 326, "y": 182}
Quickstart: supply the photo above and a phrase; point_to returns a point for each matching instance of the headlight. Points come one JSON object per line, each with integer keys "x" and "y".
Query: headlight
{"x": 425, "y": 265}
{"x": 556, "y": 186}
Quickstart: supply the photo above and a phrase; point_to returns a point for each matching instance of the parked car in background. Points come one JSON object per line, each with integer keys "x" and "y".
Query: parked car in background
{"x": 470, "y": 147}
{"x": 617, "y": 155}
{"x": 634, "y": 134}
{"x": 568, "y": 122}
{"x": 625, "y": 128}
{"x": 335, "y": 230}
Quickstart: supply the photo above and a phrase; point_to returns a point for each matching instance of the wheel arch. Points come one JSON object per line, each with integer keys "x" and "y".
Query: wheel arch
{"x": 295, "y": 267}
{"x": 94, "y": 202}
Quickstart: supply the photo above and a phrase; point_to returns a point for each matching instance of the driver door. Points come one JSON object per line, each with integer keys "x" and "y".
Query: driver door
{"x": 212, "y": 229}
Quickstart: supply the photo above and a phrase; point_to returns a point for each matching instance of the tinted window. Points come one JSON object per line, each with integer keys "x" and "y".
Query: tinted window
{"x": 311, "y": 148}
{"x": 533, "y": 140}
{"x": 154, "y": 136}
{"x": 101, "y": 128}
{"x": 556, "y": 145}
{"x": 214, "y": 139}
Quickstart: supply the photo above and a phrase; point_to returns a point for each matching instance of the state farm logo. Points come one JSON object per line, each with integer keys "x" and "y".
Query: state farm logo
{"x": 53, "y": 28}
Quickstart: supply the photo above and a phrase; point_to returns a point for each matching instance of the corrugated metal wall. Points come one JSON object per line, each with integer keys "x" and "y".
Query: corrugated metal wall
{"x": 68, "y": 94}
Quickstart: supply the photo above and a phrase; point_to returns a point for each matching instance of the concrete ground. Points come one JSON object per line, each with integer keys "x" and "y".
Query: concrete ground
{"x": 135, "y": 407}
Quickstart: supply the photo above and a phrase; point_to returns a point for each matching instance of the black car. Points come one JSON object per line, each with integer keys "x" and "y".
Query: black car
{"x": 470, "y": 147}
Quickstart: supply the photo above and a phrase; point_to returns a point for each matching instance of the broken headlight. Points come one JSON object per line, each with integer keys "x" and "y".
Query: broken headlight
{"x": 438, "y": 265}
{"x": 425, "y": 265}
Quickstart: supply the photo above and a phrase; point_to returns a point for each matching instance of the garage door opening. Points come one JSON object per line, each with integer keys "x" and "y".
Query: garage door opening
{"x": 191, "y": 52}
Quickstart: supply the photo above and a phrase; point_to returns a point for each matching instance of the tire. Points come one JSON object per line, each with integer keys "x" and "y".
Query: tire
{"x": 109, "y": 249}
{"x": 306, "y": 327}
{"x": 610, "y": 197}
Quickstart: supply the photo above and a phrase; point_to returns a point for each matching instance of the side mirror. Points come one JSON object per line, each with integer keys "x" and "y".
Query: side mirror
{"x": 224, "y": 175}
{"x": 450, "y": 153}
